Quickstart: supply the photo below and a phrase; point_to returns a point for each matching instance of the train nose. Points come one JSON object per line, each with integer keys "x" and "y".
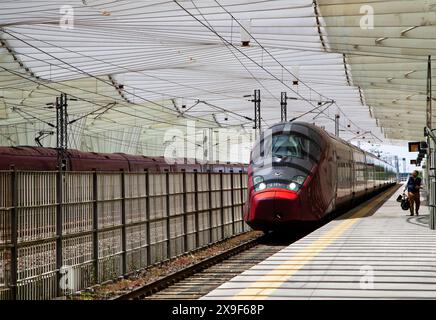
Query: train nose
{"x": 272, "y": 207}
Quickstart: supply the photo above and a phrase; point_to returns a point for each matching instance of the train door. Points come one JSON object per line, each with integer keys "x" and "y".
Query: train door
{"x": 330, "y": 193}
{"x": 343, "y": 175}
{"x": 366, "y": 173}
{"x": 352, "y": 174}
{"x": 334, "y": 171}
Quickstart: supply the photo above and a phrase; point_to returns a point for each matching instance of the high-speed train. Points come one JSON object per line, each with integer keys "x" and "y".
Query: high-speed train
{"x": 300, "y": 173}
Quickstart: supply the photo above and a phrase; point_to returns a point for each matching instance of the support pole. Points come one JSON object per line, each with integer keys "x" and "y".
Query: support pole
{"x": 222, "y": 204}
{"x": 124, "y": 266}
{"x": 147, "y": 214}
{"x": 232, "y": 197}
{"x": 14, "y": 236}
{"x": 62, "y": 131}
{"x": 257, "y": 116}
{"x": 197, "y": 218}
{"x": 59, "y": 216}
{"x": 168, "y": 213}
{"x": 429, "y": 95}
{"x": 431, "y": 156}
{"x": 95, "y": 226}
{"x": 185, "y": 215}
{"x": 61, "y": 145}
{"x": 284, "y": 107}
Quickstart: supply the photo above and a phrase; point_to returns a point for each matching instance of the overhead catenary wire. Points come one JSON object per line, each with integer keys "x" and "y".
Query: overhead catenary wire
{"x": 283, "y": 67}
{"x": 86, "y": 73}
{"x": 110, "y": 25}
{"x": 159, "y": 93}
{"x": 252, "y": 60}
{"x": 103, "y": 106}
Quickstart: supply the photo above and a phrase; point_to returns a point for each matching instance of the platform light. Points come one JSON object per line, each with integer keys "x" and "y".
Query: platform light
{"x": 379, "y": 40}
{"x": 414, "y": 146}
{"x": 295, "y": 72}
{"x": 245, "y": 32}
{"x": 407, "y": 74}
{"x": 403, "y": 32}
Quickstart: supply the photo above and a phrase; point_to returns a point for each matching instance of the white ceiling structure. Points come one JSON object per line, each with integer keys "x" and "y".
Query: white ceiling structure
{"x": 387, "y": 44}
{"x": 140, "y": 68}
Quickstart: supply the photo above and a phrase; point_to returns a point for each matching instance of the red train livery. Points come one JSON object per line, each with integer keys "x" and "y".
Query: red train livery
{"x": 300, "y": 173}
{"x": 45, "y": 159}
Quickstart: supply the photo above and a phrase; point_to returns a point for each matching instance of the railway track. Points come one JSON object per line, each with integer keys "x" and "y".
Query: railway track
{"x": 199, "y": 284}
{"x": 197, "y": 280}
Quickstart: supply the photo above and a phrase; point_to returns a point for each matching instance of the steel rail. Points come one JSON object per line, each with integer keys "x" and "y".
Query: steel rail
{"x": 179, "y": 275}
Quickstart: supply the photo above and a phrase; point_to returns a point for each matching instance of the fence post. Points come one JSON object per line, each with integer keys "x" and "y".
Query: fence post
{"x": 432, "y": 189}
{"x": 95, "y": 225}
{"x": 232, "y": 199}
{"x": 147, "y": 208}
{"x": 210, "y": 205}
{"x": 222, "y": 204}
{"x": 185, "y": 216}
{"x": 242, "y": 200}
{"x": 59, "y": 200}
{"x": 167, "y": 180}
{"x": 123, "y": 222}
{"x": 197, "y": 223}
{"x": 14, "y": 235}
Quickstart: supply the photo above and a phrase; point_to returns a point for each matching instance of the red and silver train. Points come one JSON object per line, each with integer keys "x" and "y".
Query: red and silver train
{"x": 300, "y": 173}
{"x": 45, "y": 159}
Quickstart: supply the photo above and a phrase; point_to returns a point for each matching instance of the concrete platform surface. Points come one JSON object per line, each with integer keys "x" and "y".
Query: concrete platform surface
{"x": 371, "y": 252}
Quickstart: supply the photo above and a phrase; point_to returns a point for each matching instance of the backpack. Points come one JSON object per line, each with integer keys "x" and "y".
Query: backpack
{"x": 405, "y": 204}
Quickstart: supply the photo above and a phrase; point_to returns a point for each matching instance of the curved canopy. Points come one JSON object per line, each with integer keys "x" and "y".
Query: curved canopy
{"x": 140, "y": 68}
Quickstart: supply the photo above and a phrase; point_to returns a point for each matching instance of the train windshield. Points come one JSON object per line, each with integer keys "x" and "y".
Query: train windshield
{"x": 285, "y": 148}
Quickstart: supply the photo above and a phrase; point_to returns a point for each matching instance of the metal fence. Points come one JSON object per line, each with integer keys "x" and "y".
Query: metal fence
{"x": 63, "y": 233}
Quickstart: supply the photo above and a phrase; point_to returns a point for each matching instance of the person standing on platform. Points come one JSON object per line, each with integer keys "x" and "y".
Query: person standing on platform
{"x": 413, "y": 187}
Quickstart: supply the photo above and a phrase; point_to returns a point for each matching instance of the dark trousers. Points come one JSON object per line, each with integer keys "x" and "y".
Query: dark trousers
{"x": 414, "y": 198}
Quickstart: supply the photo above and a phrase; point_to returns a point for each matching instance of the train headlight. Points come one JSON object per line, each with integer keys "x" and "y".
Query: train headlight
{"x": 293, "y": 186}
{"x": 296, "y": 183}
{"x": 261, "y": 186}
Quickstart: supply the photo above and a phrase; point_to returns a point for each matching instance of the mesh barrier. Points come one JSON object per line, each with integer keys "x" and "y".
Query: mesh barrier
{"x": 62, "y": 233}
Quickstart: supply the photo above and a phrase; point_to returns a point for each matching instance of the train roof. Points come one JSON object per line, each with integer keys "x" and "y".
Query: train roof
{"x": 32, "y": 151}
{"x": 28, "y": 151}
{"x": 280, "y": 126}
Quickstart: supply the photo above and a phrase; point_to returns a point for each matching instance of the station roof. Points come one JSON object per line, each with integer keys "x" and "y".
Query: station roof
{"x": 389, "y": 59}
{"x": 138, "y": 68}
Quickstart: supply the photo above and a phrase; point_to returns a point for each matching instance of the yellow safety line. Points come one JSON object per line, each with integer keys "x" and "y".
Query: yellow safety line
{"x": 271, "y": 281}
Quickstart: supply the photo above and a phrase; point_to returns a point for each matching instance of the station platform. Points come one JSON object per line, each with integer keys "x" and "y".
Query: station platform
{"x": 375, "y": 251}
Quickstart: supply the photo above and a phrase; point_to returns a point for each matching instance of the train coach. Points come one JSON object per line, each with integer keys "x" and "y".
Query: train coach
{"x": 300, "y": 173}
{"x": 45, "y": 159}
